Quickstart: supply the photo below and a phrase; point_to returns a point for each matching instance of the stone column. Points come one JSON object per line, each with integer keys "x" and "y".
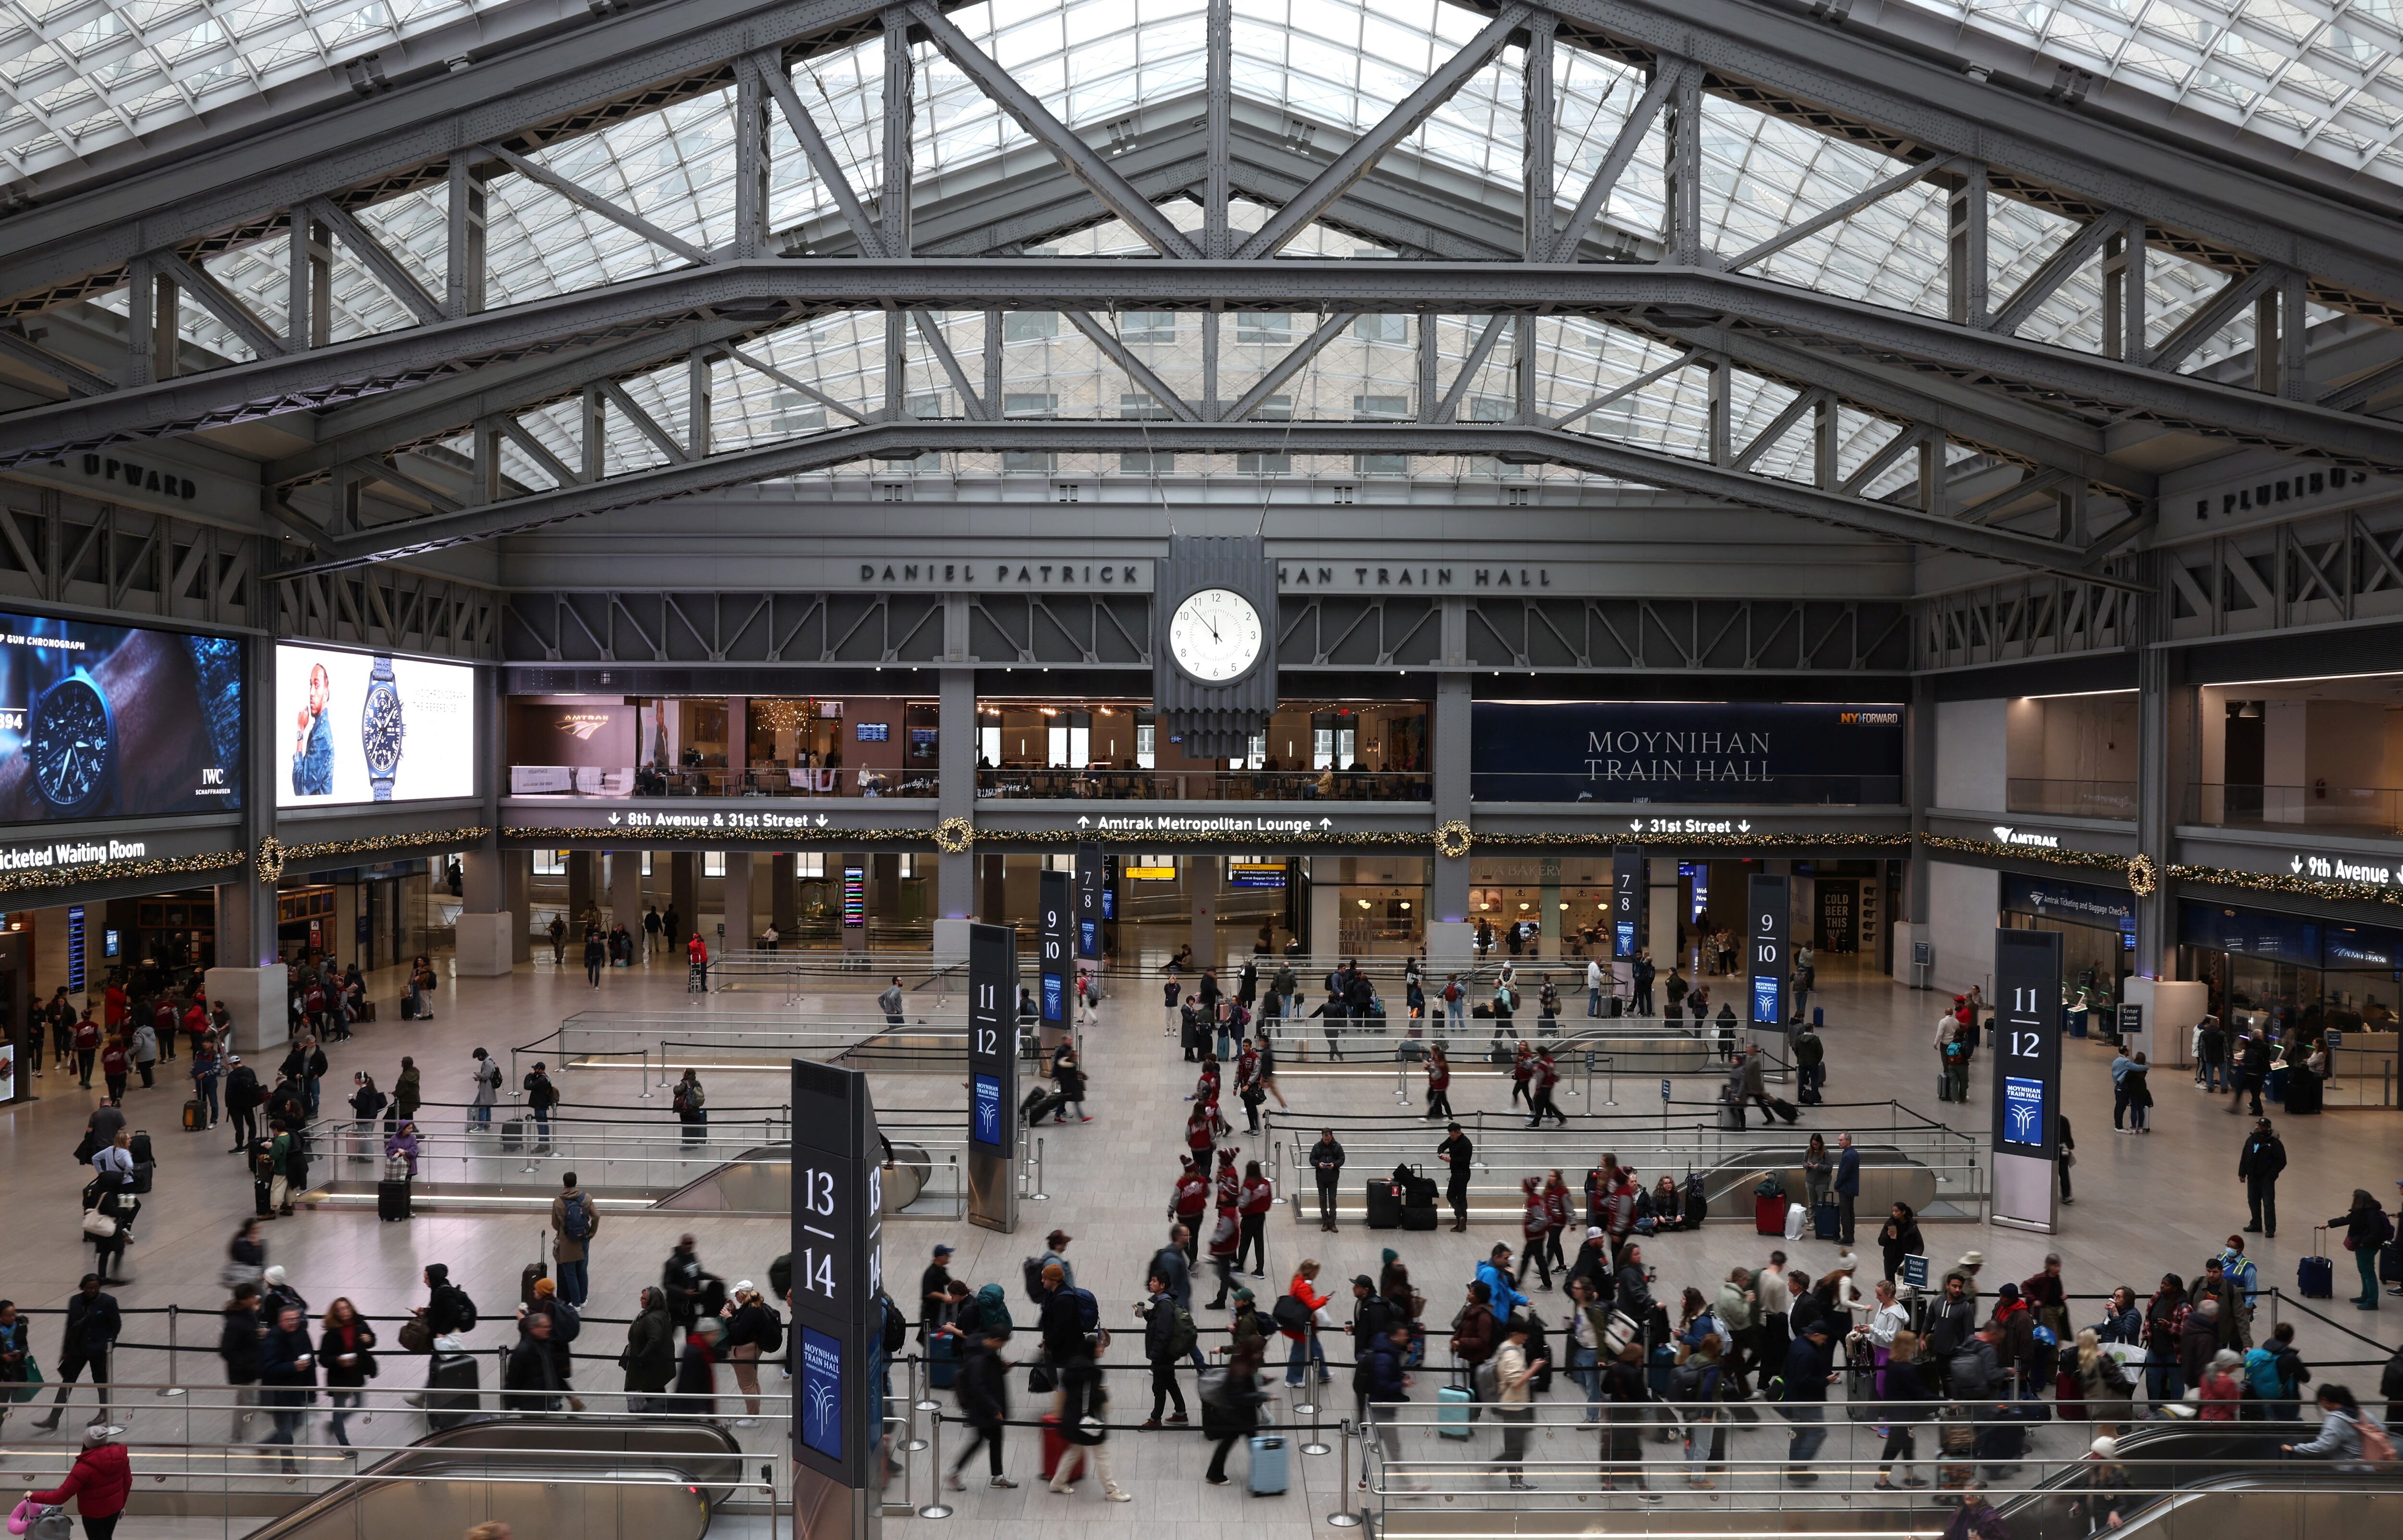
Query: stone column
{"x": 784, "y": 893}
{"x": 736, "y": 916}
{"x": 684, "y": 891}
{"x": 517, "y": 872}
{"x": 583, "y": 890}
{"x": 955, "y": 743}
{"x": 482, "y": 949}
{"x": 626, "y": 895}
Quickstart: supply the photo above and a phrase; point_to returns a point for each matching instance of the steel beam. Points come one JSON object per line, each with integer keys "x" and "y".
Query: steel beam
{"x": 1669, "y": 75}
{"x": 1082, "y": 161}
{"x": 586, "y": 198}
{"x": 1114, "y": 346}
{"x": 1052, "y": 436}
{"x": 1650, "y": 298}
{"x": 1396, "y": 126}
{"x": 368, "y": 252}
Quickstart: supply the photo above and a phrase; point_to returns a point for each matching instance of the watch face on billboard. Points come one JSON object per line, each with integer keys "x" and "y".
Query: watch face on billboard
{"x": 359, "y": 727}
{"x": 115, "y": 721}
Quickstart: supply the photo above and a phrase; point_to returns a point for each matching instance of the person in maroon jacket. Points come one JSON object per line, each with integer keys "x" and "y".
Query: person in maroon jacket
{"x": 99, "y": 1482}
{"x": 1192, "y": 1197}
{"x": 1259, "y": 1196}
{"x": 1438, "y": 1074}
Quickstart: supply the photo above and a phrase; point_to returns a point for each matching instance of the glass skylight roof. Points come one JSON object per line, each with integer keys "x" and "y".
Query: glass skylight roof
{"x": 1337, "y": 62}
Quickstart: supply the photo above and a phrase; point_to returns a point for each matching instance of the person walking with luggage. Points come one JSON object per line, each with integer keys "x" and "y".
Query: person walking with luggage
{"x": 1459, "y": 1158}
{"x": 1438, "y": 1092}
{"x": 98, "y": 1483}
{"x": 1232, "y": 1414}
{"x": 1544, "y": 1075}
{"x": 982, "y": 1387}
{"x": 575, "y": 1220}
{"x": 1327, "y": 1163}
{"x": 2367, "y": 1228}
{"x": 2257, "y": 1166}
{"x": 1084, "y": 1422}
{"x": 1751, "y": 1087}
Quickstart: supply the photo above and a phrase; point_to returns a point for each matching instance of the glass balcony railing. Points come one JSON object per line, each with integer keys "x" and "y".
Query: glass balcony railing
{"x": 595, "y": 781}
{"x": 1675, "y": 795}
{"x": 1234, "y": 786}
{"x": 2353, "y": 809}
{"x": 2072, "y": 798}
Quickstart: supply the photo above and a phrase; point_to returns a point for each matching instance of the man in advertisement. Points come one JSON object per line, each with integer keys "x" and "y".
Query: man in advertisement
{"x": 312, "y": 751}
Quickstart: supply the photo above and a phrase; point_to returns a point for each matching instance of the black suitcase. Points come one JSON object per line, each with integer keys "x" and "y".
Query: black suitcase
{"x": 139, "y": 1147}
{"x": 1385, "y": 1205}
{"x": 142, "y": 1172}
{"x": 1784, "y": 1110}
{"x": 450, "y": 1390}
{"x": 513, "y": 1134}
{"x": 1418, "y": 1216}
{"x": 261, "y": 1190}
{"x": 534, "y": 1273}
{"x": 392, "y": 1200}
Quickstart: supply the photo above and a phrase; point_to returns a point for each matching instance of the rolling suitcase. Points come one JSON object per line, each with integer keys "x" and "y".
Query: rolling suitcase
{"x": 531, "y": 1274}
{"x": 194, "y": 1120}
{"x": 450, "y": 1396}
{"x": 1268, "y": 1477}
{"x": 1769, "y": 1213}
{"x": 1826, "y": 1222}
{"x": 942, "y": 1361}
{"x": 2315, "y": 1274}
{"x": 1456, "y": 1413}
{"x": 1417, "y": 1216}
{"x": 1055, "y": 1444}
{"x": 1385, "y": 1205}
{"x": 1784, "y": 1110}
{"x": 2390, "y": 1263}
{"x": 392, "y": 1199}
{"x": 513, "y": 1135}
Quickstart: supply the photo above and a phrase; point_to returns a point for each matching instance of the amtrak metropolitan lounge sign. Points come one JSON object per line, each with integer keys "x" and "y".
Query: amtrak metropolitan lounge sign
{"x": 1686, "y": 751}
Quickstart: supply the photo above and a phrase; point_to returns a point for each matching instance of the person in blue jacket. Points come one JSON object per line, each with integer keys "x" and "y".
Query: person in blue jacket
{"x": 1494, "y": 1273}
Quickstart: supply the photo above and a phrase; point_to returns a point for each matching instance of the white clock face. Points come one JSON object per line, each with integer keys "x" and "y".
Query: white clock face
{"x": 1215, "y": 635}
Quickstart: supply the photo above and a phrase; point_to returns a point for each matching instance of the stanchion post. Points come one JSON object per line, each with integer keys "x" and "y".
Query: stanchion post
{"x": 1344, "y": 1517}
{"x": 937, "y": 1509}
{"x": 1038, "y": 1195}
{"x": 913, "y": 1403}
{"x": 175, "y": 1312}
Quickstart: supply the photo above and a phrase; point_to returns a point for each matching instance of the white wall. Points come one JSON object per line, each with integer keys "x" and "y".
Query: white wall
{"x": 1963, "y": 905}
{"x": 1972, "y": 754}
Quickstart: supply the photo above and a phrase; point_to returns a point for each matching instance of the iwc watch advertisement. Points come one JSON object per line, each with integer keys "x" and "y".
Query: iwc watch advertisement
{"x": 99, "y": 721}
{"x": 372, "y": 728}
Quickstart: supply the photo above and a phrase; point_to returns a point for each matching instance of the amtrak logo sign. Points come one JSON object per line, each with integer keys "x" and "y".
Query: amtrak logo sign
{"x": 2006, "y": 835}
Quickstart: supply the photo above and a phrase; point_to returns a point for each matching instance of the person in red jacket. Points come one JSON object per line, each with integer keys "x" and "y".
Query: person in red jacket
{"x": 1192, "y": 1197}
{"x": 1522, "y": 1075}
{"x": 98, "y": 1483}
{"x": 1546, "y": 1076}
{"x": 1259, "y": 1196}
{"x": 1438, "y": 1083}
{"x": 1225, "y": 1240}
{"x": 1558, "y": 1210}
{"x": 1226, "y": 1192}
{"x": 1532, "y": 1225}
{"x": 1305, "y": 1341}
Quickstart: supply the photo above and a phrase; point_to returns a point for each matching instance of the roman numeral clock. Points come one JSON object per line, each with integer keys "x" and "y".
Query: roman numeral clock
{"x": 1213, "y": 644}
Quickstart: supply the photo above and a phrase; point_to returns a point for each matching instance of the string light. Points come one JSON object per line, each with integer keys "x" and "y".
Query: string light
{"x": 2271, "y": 882}
{"x": 373, "y": 844}
{"x": 118, "y": 871}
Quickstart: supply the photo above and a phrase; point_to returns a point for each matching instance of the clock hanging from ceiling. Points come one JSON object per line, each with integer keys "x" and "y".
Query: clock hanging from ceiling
{"x": 1213, "y": 644}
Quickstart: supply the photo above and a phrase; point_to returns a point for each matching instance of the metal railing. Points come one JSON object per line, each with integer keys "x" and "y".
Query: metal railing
{"x": 1942, "y": 1173}
{"x": 1226, "y": 786}
{"x": 660, "y": 1044}
{"x": 2070, "y": 798}
{"x": 2265, "y": 805}
{"x": 629, "y": 780}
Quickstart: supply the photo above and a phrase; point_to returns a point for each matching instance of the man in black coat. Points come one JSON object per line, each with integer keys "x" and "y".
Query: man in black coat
{"x": 242, "y": 1100}
{"x": 2250, "y": 1071}
{"x": 93, "y": 1321}
{"x": 983, "y": 1389}
{"x": 1327, "y": 1160}
{"x": 1459, "y": 1158}
{"x": 2264, "y": 1157}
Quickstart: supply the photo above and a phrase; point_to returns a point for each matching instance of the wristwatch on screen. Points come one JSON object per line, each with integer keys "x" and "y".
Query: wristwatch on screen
{"x": 381, "y": 730}
{"x": 71, "y": 737}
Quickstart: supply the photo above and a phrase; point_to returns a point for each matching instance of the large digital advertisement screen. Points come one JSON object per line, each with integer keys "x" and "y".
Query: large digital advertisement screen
{"x": 115, "y": 721}
{"x": 360, "y": 727}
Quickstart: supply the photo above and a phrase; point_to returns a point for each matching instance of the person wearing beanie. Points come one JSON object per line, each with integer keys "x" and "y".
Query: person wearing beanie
{"x": 98, "y": 1483}
{"x": 2107, "y": 1479}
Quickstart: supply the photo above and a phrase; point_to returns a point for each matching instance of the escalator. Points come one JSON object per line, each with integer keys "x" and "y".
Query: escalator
{"x": 592, "y": 1479}
{"x": 2212, "y": 1482}
{"x": 761, "y": 1181}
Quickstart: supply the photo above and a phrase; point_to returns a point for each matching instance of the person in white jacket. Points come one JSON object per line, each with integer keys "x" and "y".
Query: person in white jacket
{"x": 1595, "y": 978}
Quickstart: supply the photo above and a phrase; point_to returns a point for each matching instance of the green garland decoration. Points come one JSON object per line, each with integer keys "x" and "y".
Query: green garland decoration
{"x": 114, "y": 872}
{"x": 372, "y": 845}
{"x": 2305, "y": 887}
{"x": 2094, "y": 860}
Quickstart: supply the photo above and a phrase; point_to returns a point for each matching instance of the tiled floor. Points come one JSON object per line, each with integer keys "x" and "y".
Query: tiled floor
{"x": 2146, "y": 1205}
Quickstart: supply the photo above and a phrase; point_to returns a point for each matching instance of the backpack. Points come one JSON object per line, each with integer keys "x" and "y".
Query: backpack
{"x": 564, "y": 1322}
{"x": 897, "y": 1331}
{"x": 1698, "y": 1200}
{"x": 992, "y": 1308}
{"x": 466, "y": 1308}
{"x": 1182, "y": 1333}
{"x": 575, "y": 1220}
{"x": 1488, "y": 1381}
{"x": 2376, "y": 1447}
{"x": 2115, "y": 1376}
{"x": 772, "y": 1334}
{"x": 1290, "y": 1315}
{"x": 1032, "y": 1268}
{"x": 1088, "y": 1311}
